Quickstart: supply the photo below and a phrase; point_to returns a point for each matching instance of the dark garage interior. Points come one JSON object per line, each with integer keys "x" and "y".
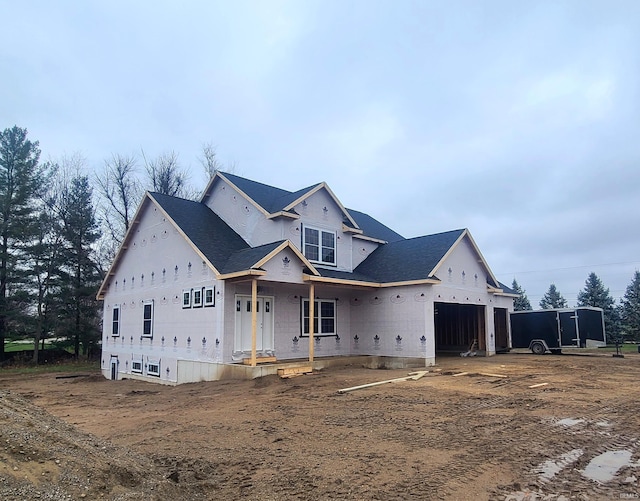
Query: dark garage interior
{"x": 458, "y": 326}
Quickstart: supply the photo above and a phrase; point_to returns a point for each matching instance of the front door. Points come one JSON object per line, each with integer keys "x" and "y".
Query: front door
{"x": 114, "y": 368}
{"x": 264, "y": 324}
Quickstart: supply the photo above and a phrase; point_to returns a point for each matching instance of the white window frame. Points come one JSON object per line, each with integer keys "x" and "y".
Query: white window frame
{"x": 186, "y": 298}
{"x": 115, "y": 322}
{"x": 319, "y": 245}
{"x": 196, "y": 298}
{"x": 318, "y": 315}
{"x": 212, "y": 302}
{"x": 149, "y": 320}
{"x": 136, "y": 366}
{"x": 153, "y": 368}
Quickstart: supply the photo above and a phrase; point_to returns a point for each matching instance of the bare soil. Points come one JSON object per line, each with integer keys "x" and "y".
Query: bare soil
{"x": 445, "y": 436}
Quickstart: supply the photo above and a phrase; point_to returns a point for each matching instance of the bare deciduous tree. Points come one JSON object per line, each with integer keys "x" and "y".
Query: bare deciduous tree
{"x": 119, "y": 188}
{"x": 209, "y": 159}
{"x": 166, "y": 176}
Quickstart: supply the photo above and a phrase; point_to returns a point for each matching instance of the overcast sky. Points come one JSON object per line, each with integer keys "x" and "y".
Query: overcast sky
{"x": 519, "y": 120}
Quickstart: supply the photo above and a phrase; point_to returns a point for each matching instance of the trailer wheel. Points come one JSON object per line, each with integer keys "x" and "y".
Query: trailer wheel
{"x": 538, "y": 348}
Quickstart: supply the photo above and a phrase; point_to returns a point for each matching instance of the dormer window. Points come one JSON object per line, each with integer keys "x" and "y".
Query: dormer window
{"x": 319, "y": 245}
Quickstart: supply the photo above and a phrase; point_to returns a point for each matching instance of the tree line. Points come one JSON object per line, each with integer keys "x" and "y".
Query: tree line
{"x": 59, "y": 231}
{"x": 622, "y": 321}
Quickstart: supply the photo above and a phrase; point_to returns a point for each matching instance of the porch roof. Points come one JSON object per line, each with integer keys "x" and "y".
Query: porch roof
{"x": 246, "y": 258}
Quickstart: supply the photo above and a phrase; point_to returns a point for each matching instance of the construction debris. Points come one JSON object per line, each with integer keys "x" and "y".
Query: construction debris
{"x": 414, "y": 376}
{"x": 290, "y": 372}
{"x": 472, "y": 351}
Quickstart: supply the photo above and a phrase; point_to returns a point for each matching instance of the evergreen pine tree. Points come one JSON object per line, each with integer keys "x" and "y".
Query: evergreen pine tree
{"x": 520, "y": 303}
{"x": 630, "y": 306}
{"x": 80, "y": 231}
{"x": 19, "y": 178}
{"x": 552, "y": 299}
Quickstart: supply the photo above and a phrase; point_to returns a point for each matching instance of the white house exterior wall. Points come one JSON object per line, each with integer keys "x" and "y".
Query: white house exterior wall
{"x": 393, "y": 322}
{"x": 244, "y": 217}
{"x": 360, "y": 250}
{"x": 147, "y": 272}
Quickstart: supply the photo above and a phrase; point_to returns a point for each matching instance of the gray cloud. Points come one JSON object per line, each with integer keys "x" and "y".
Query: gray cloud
{"x": 517, "y": 120}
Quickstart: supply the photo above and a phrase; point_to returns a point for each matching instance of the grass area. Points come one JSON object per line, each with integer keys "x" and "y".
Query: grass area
{"x": 81, "y": 366}
{"x": 11, "y": 346}
{"x": 624, "y": 348}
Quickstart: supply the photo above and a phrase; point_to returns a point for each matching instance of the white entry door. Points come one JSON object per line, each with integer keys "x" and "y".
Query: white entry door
{"x": 264, "y": 324}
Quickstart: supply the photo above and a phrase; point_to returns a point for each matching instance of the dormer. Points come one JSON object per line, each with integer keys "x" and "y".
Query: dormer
{"x": 313, "y": 219}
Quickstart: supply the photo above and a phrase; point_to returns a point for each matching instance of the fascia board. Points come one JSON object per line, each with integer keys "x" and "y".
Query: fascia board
{"x": 370, "y": 239}
{"x": 377, "y": 285}
{"x": 243, "y": 273}
{"x": 282, "y": 213}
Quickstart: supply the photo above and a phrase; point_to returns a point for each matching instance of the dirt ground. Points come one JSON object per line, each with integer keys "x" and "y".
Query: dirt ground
{"x": 556, "y": 427}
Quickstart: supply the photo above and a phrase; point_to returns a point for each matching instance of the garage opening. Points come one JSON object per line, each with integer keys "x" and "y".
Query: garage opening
{"x": 500, "y": 322}
{"x": 459, "y": 326}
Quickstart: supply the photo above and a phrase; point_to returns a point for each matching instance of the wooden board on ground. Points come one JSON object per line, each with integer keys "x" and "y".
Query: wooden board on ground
{"x": 414, "y": 376}
{"x": 294, "y": 371}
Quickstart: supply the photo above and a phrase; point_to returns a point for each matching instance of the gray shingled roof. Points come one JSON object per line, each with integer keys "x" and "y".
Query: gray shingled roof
{"x": 374, "y": 228}
{"x": 410, "y": 259}
{"x": 398, "y": 261}
{"x": 270, "y": 198}
{"x": 506, "y": 289}
{"x": 210, "y": 234}
{"x": 244, "y": 259}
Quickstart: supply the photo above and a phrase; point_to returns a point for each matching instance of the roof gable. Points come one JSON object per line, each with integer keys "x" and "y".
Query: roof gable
{"x": 409, "y": 259}
{"x": 272, "y": 200}
{"x": 256, "y": 257}
{"x": 204, "y": 228}
{"x": 491, "y": 279}
{"x": 206, "y": 232}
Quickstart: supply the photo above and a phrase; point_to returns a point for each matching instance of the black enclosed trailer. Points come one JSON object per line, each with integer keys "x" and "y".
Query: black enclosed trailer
{"x": 552, "y": 330}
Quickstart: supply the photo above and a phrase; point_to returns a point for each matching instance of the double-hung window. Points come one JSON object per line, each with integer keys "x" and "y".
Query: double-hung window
{"x": 115, "y": 321}
{"x": 324, "y": 317}
{"x": 186, "y": 298}
{"x": 209, "y": 296}
{"x": 197, "y": 298}
{"x": 147, "y": 319}
{"x": 319, "y": 245}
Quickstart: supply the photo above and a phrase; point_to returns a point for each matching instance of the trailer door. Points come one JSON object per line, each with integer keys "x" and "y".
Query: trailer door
{"x": 568, "y": 330}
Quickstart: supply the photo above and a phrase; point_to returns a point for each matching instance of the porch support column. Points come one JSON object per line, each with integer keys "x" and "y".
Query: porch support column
{"x": 254, "y": 319}
{"x": 312, "y": 314}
